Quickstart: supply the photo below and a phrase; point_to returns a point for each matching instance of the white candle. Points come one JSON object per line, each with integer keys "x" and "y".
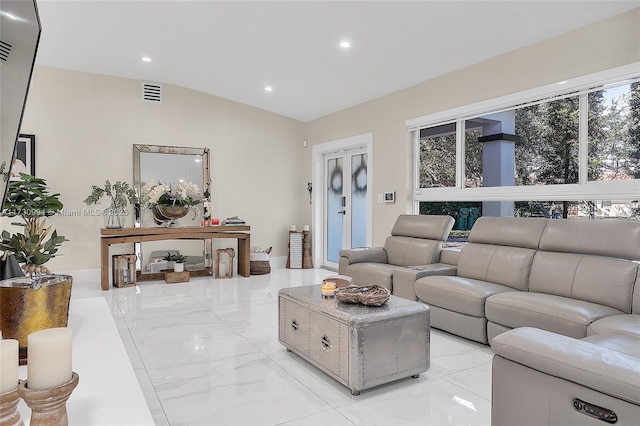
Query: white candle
{"x": 8, "y": 365}
{"x": 305, "y": 227}
{"x": 48, "y": 358}
{"x": 292, "y": 228}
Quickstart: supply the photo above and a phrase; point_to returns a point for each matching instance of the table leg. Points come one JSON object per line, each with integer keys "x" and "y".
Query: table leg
{"x": 104, "y": 264}
{"x": 244, "y": 255}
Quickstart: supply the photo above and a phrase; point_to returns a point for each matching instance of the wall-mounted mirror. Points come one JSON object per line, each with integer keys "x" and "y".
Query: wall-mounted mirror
{"x": 19, "y": 36}
{"x": 171, "y": 165}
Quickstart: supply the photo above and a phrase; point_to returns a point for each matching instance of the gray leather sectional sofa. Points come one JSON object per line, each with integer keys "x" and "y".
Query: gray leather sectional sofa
{"x": 559, "y": 301}
{"x": 571, "y": 277}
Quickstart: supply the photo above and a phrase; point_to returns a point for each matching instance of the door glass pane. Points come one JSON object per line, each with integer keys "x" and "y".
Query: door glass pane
{"x": 359, "y": 200}
{"x": 334, "y": 209}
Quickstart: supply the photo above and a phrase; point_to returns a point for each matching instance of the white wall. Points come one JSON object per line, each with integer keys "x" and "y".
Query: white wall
{"x": 607, "y": 44}
{"x": 86, "y": 125}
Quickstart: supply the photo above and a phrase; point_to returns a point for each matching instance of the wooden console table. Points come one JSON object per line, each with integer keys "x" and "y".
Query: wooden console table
{"x": 139, "y": 235}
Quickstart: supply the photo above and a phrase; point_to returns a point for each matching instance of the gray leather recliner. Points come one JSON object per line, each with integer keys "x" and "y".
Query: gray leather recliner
{"x": 416, "y": 240}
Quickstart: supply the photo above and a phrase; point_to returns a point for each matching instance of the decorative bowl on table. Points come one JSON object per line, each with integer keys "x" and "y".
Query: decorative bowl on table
{"x": 371, "y": 295}
{"x": 167, "y": 214}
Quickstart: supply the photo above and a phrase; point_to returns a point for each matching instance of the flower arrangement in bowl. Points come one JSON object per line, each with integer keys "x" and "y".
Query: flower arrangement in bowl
{"x": 168, "y": 203}
{"x": 120, "y": 194}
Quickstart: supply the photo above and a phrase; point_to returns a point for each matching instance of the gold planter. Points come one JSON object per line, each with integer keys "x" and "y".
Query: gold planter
{"x": 28, "y": 305}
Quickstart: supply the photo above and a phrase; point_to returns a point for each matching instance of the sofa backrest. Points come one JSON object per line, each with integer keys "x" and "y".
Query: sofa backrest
{"x": 417, "y": 239}
{"x": 501, "y": 250}
{"x": 430, "y": 227}
{"x": 611, "y": 238}
{"x": 591, "y": 260}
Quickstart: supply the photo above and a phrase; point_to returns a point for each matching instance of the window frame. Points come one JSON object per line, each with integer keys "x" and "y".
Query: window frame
{"x": 583, "y": 190}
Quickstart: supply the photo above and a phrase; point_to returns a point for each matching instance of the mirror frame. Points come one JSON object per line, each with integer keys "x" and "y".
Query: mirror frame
{"x": 22, "y": 30}
{"x": 169, "y": 150}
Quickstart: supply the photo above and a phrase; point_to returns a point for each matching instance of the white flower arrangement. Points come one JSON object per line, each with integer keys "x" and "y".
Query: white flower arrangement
{"x": 184, "y": 194}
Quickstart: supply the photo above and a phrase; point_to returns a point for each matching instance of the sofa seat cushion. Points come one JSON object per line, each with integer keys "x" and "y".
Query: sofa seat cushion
{"x": 559, "y": 314}
{"x": 626, "y": 344}
{"x": 623, "y": 324}
{"x": 457, "y": 294}
{"x": 367, "y": 273}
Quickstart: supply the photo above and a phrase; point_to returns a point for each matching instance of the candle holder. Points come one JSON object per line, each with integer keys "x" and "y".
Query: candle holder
{"x": 48, "y": 406}
{"x": 9, "y": 415}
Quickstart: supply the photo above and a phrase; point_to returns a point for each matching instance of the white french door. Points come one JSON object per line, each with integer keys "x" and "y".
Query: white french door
{"x": 335, "y": 230}
{"x": 346, "y": 201}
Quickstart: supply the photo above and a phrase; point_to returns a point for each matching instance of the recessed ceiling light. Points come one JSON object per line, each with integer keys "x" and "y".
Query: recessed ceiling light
{"x": 345, "y": 44}
{"x": 268, "y": 89}
{"x": 146, "y": 59}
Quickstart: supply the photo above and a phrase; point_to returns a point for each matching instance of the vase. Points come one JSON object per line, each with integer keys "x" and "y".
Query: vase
{"x": 31, "y": 304}
{"x": 178, "y": 267}
{"x": 114, "y": 217}
{"x": 168, "y": 214}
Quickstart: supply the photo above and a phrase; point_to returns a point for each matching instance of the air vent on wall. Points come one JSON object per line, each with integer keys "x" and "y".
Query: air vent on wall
{"x": 5, "y": 51}
{"x": 152, "y": 92}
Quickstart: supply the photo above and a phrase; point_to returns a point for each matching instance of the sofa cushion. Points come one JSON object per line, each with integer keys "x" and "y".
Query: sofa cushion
{"x": 559, "y": 314}
{"x": 508, "y": 231}
{"x": 457, "y": 294}
{"x": 371, "y": 274}
{"x": 626, "y": 344}
{"x": 600, "y": 280}
{"x": 408, "y": 251}
{"x": 622, "y": 324}
{"x": 503, "y": 265}
{"x": 610, "y": 238}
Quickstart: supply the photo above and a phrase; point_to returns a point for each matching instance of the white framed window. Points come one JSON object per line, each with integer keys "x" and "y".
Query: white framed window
{"x": 570, "y": 141}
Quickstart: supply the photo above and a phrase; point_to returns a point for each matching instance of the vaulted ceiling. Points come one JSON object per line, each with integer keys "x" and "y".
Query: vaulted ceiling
{"x": 235, "y": 49}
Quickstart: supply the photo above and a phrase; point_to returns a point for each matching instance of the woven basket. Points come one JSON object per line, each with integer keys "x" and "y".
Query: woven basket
{"x": 259, "y": 267}
{"x": 372, "y": 295}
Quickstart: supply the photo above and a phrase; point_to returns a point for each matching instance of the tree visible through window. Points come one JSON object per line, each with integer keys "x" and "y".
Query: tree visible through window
{"x": 614, "y": 133}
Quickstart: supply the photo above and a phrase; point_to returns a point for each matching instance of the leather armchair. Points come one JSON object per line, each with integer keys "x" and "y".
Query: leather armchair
{"x": 415, "y": 240}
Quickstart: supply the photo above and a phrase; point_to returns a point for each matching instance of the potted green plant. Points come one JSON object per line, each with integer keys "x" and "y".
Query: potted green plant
{"x": 39, "y": 300}
{"x": 121, "y": 194}
{"x": 169, "y": 258}
{"x": 178, "y": 262}
{"x": 29, "y": 199}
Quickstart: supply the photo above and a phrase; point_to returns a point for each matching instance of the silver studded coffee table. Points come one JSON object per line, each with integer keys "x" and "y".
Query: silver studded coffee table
{"x": 359, "y": 346}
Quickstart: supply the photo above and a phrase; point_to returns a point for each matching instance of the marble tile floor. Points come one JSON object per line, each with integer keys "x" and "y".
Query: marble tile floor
{"x": 207, "y": 353}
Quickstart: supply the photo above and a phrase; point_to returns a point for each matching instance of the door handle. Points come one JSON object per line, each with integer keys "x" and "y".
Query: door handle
{"x": 343, "y": 212}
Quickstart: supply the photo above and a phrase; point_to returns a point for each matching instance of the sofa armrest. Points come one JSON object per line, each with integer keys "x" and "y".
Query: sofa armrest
{"x": 366, "y": 254}
{"x": 404, "y": 278}
{"x": 450, "y": 256}
{"x": 604, "y": 370}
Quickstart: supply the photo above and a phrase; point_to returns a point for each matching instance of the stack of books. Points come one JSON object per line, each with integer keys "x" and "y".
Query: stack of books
{"x": 233, "y": 221}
